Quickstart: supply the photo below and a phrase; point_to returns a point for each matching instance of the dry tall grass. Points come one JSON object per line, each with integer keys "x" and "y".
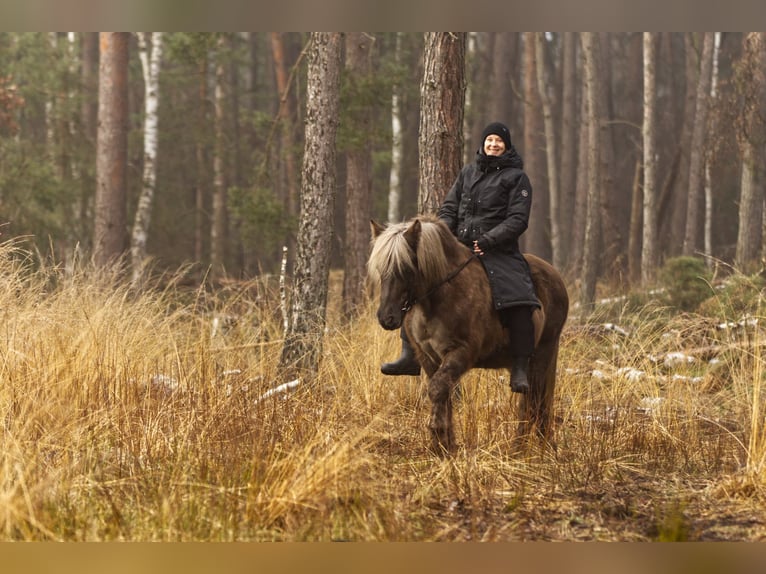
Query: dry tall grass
{"x": 136, "y": 417}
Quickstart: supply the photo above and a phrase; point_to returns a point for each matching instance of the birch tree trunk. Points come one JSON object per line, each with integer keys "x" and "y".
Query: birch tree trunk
{"x": 551, "y": 150}
{"x": 150, "y": 53}
{"x": 218, "y": 228}
{"x": 751, "y": 146}
{"x": 581, "y": 190}
{"x": 649, "y": 239}
{"x": 397, "y": 143}
{"x": 302, "y": 348}
{"x": 591, "y": 251}
{"x": 358, "y": 171}
{"x": 112, "y": 149}
{"x": 696, "y": 165}
{"x": 442, "y": 99}
{"x": 709, "y": 158}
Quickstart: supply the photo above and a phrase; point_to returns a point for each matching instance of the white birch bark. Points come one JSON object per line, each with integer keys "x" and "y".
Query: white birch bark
{"x": 394, "y": 183}
{"x": 708, "y": 181}
{"x": 649, "y": 239}
{"x": 150, "y": 53}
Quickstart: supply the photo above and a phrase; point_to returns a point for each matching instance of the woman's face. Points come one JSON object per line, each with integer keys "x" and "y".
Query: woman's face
{"x": 494, "y": 145}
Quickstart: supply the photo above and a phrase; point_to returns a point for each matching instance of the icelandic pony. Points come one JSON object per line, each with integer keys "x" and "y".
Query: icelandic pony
{"x": 435, "y": 286}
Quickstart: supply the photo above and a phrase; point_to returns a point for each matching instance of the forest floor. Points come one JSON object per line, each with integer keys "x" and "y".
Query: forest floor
{"x": 153, "y": 417}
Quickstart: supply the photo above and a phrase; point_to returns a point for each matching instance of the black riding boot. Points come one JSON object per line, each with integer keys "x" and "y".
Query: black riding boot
{"x": 406, "y": 364}
{"x": 519, "y": 382}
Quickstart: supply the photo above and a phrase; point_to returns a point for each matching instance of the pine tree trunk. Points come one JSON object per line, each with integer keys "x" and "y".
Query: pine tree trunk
{"x": 751, "y": 146}
{"x": 150, "y": 51}
{"x": 696, "y": 164}
{"x": 551, "y": 152}
{"x": 285, "y": 117}
{"x": 591, "y": 251}
{"x": 503, "y": 62}
{"x": 358, "y": 171}
{"x": 611, "y": 230}
{"x": 302, "y": 348}
{"x": 535, "y": 240}
{"x": 112, "y": 149}
{"x": 442, "y": 97}
{"x": 680, "y": 188}
{"x": 649, "y": 243}
{"x": 201, "y": 172}
{"x": 569, "y": 123}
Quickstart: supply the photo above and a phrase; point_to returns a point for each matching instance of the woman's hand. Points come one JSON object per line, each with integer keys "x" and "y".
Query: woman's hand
{"x": 476, "y": 249}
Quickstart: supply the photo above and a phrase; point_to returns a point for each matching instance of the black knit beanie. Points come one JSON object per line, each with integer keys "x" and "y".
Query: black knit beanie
{"x": 499, "y": 130}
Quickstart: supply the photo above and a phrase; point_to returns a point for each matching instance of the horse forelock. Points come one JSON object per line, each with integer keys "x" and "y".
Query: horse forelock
{"x": 391, "y": 255}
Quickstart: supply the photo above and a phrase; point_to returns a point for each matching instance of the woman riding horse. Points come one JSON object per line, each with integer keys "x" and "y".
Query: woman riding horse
{"x": 488, "y": 209}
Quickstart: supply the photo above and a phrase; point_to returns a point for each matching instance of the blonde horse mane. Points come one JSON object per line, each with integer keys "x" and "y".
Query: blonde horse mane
{"x": 391, "y": 254}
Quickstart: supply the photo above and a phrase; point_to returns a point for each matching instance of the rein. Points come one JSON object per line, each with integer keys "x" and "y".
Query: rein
{"x": 410, "y": 303}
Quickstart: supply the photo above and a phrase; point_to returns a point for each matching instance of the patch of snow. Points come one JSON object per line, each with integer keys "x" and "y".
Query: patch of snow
{"x": 283, "y": 388}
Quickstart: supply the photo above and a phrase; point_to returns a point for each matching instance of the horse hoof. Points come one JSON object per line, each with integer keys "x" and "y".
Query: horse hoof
{"x": 522, "y": 388}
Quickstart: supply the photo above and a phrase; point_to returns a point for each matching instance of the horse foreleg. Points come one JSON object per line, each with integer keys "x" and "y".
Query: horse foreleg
{"x": 440, "y": 387}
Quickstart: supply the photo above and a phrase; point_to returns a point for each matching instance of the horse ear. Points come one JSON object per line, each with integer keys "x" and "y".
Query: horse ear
{"x": 376, "y": 228}
{"x": 412, "y": 235}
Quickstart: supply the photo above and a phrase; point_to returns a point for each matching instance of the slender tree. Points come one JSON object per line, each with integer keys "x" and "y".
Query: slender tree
{"x": 750, "y": 141}
{"x": 649, "y": 239}
{"x": 503, "y": 61}
{"x": 696, "y": 165}
{"x": 218, "y": 230}
{"x": 442, "y": 99}
{"x": 285, "y": 118}
{"x": 150, "y": 52}
{"x": 551, "y": 150}
{"x": 709, "y": 156}
{"x": 112, "y": 148}
{"x": 302, "y": 348}
{"x": 569, "y": 132}
{"x": 358, "y": 167}
{"x": 537, "y": 238}
{"x": 590, "y": 45}
{"x": 397, "y": 141}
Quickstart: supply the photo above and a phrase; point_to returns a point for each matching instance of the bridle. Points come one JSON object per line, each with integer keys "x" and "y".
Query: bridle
{"x": 412, "y": 301}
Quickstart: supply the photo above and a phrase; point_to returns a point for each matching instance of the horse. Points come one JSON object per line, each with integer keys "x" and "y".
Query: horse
{"x": 437, "y": 288}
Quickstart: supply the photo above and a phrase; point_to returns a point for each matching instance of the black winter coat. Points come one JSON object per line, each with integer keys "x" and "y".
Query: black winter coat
{"x": 490, "y": 202}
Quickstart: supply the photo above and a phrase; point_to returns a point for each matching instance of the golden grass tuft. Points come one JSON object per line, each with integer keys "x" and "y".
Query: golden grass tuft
{"x": 136, "y": 416}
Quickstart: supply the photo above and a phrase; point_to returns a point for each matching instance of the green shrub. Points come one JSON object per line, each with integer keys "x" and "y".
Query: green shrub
{"x": 740, "y": 295}
{"x": 686, "y": 281}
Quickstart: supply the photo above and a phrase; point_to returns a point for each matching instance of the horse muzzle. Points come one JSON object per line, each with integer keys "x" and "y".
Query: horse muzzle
{"x": 389, "y": 320}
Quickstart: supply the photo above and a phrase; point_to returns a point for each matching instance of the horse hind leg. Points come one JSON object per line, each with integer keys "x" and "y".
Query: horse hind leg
{"x": 536, "y": 405}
